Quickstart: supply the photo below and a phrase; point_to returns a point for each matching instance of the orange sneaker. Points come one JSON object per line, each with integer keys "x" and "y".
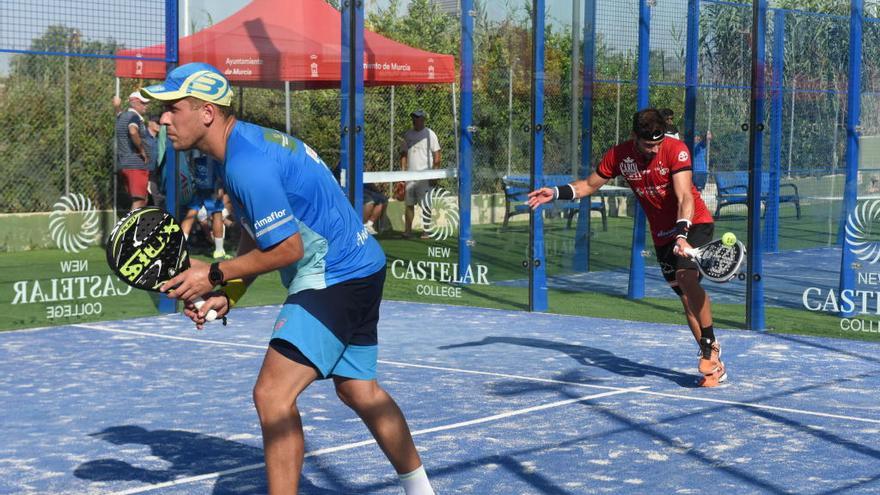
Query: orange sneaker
{"x": 710, "y": 354}
{"x": 716, "y": 377}
{"x": 710, "y": 365}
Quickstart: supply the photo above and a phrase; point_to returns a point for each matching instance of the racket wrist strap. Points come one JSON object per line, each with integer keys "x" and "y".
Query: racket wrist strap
{"x": 682, "y": 226}
{"x": 234, "y": 290}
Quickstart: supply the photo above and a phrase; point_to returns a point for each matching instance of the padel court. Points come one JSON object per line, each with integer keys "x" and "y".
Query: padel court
{"x": 499, "y": 402}
{"x": 787, "y": 275}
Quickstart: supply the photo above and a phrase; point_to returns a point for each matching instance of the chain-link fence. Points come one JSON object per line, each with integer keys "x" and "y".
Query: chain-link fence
{"x": 55, "y": 104}
{"x": 58, "y": 121}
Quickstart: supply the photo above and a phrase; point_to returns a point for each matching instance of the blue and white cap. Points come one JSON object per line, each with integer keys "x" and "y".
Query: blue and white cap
{"x": 196, "y": 79}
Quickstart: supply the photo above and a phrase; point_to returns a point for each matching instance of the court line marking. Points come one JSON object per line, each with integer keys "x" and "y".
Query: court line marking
{"x": 354, "y": 445}
{"x": 520, "y": 377}
{"x": 517, "y": 377}
{"x": 393, "y": 363}
{"x": 647, "y": 392}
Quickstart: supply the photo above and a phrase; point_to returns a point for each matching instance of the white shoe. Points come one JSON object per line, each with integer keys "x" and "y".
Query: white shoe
{"x": 369, "y": 227}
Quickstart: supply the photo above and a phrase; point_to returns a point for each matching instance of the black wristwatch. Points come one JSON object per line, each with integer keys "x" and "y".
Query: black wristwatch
{"x": 215, "y": 275}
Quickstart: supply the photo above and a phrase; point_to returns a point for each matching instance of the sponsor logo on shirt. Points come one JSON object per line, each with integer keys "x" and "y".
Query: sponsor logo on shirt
{"x": 683, "y": 156}
{"x": 630, "y": 169}
{"x": 312, "y": 153}
{"x": 362, "y": 237}
{"x": 269, "y": 219}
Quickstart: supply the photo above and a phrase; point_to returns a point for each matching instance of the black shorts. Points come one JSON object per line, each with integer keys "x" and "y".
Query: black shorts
{"x": 698, "y": 235}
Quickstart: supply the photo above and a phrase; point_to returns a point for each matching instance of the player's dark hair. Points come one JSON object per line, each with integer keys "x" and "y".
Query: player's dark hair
{"x": 649, "y": 124}
{"x": 226, "y": 111}
{"x": 667, "y": 113}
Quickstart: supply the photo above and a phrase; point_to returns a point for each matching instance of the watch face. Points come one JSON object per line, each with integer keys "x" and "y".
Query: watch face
{"x": 215, "y": 276}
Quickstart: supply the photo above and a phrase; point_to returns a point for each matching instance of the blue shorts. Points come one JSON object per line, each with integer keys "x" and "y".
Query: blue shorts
{"x": 333, "y": 330}
{"x": 375, "y": 197}
{"x": 205, "y": 198}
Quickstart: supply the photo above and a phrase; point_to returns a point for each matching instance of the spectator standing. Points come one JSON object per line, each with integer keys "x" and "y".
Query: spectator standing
{"x": 421, "y": 151}
{"x": 701, "y": 163}
{"x": 208, "y": 194}
{"x": 151, "y": 139}
{"x": 131, "y": 151}
{"x": 671, "y": 129}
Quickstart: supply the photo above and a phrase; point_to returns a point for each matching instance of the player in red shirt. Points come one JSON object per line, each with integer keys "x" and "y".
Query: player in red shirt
{"x": 658, "y": 170}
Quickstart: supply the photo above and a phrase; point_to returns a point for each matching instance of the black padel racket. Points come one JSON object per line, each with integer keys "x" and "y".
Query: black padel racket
{"x": 146, "y": 248}
{"x": 718, "y": 262}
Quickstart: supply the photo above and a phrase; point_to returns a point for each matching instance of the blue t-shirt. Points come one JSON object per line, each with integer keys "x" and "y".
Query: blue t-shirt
{"x": 151, "y": 143}
{"x": 206, "y": 172}
{"x": 700, "y": 164}
{"x": 279, "y": 187}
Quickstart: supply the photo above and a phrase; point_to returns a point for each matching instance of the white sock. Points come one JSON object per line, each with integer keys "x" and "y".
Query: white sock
{"x": 416, "y": 482}
{"x": 369, "y": 223}
{"x": 218, "y": 244}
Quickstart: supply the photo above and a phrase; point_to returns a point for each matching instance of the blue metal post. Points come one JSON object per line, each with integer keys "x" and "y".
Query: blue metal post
{"x": 582, "y": 233}
{"x": 172, "y": 54}
{"x": 853, "y": 117}
{"x": 691, "y": 72}
{"x": 755, "y": 283}
{"x": 465, "y": 132}
{"x": 538, "y": 270}
{"x": 167, "y": 305}
{"x": 352, "y": 97}
{"x": 777, "y": 93}
{"x": 636, "y": 260}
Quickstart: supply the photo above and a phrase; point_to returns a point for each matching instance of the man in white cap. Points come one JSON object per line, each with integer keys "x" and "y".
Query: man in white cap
{"x": 295, "y": 220}
{"x": 131, "y": 151}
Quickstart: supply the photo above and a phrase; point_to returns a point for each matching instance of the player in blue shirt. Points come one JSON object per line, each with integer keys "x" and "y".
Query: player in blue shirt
{"x": 296, "y": 220}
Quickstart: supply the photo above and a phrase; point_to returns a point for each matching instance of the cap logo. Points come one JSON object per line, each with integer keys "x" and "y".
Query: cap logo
{"x": 207, "y": 83}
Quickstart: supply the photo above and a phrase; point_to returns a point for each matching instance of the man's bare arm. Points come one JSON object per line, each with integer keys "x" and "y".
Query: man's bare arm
{"x": 136, "y": 140}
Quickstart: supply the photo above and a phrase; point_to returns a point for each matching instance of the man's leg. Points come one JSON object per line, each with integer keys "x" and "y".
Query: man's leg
{"x": 388, "y": 426}
{"x": 378, "y": 211}
{"x": 368, "y": 217}
{"x": 408, "y": 218}
{"x": 138, "y": 181}
{"x": 280, "y": 382}
{"x": 187, "y": 222}
{"x": 698, "y": 309}
{"x": 368, "y": 210}
{"x": 218, "y": 235}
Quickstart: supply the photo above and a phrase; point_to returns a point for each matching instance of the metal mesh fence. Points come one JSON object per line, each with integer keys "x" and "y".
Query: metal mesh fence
{"x": 58, "y": 134}
{"x": 95, "y": 28}
{"x": 58, "y": 121}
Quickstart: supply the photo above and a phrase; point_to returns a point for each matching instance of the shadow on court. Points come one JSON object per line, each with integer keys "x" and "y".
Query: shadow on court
{"x": 589, "y": 356}
{"x": 191, "y": 454}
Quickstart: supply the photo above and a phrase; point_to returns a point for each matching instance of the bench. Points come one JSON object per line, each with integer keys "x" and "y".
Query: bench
{"x": 516, "y": 191}
{"x": 733, "y": 190}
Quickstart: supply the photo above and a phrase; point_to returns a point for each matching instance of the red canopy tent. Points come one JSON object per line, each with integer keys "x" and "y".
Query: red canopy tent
{"x": 269, "y": 42}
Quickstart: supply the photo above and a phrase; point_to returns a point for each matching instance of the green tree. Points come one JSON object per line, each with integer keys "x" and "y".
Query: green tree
{"x": 32, "y": 116}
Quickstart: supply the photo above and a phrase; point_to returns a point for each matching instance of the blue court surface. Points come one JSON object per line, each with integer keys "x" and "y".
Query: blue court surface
{"x": 500, "y": 402}
{"x": 786, "y": 275}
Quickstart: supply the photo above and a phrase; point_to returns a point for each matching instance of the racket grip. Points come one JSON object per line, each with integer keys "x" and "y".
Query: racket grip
{"x": 211, "y": 316}
{"x": 692, "y": 253}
